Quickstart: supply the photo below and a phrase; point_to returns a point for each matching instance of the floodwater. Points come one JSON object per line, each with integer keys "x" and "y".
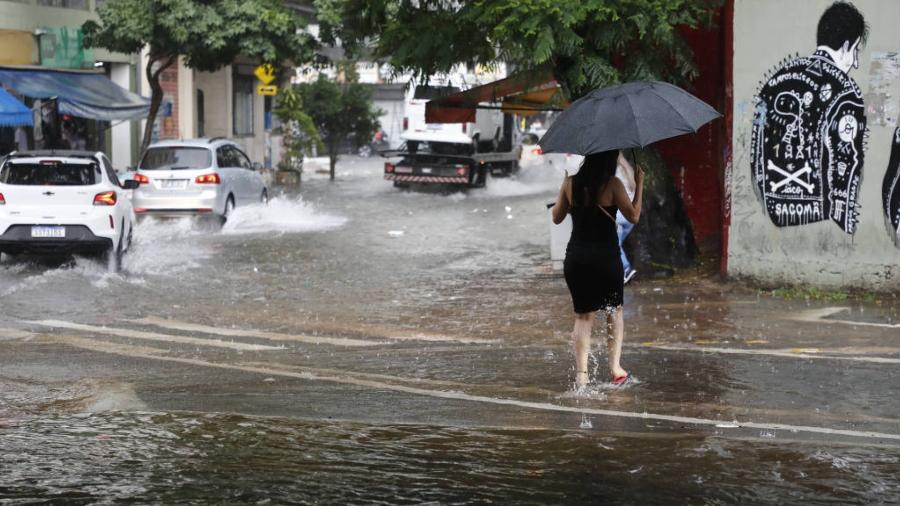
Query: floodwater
{"x": 356, "y": 343}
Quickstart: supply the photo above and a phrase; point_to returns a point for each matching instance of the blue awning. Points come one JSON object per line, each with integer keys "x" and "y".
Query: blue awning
{"x": 12, "y": 112}
{"x": 84, "y": 94}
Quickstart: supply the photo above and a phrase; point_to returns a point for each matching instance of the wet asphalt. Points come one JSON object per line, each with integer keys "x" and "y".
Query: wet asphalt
{"x": 353, "y": 342}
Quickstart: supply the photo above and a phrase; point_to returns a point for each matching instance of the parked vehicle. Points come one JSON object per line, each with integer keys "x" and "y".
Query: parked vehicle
{"x": 196, "y": 177}
{"x": 451, "y": 153}
{"x": 532, "y": 155}
{"x": 63, "y": 202}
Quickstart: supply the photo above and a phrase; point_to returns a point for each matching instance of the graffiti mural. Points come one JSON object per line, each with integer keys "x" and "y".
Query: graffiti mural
{"x": 809, "y": 129}
{"x": 890, "y": 189}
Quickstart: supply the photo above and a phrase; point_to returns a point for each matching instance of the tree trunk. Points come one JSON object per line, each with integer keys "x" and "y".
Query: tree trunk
{"x": 156, "y": 94}
{"x": 332, "y": 158}
{"x": 663, "y": 240}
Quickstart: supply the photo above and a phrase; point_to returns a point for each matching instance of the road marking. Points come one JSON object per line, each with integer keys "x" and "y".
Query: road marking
{"x": 821, "y": 316}
{"x": 152, "y": 336}
{"x": 541, "y": 406}
{"x": 273, "y": 336}
{"x": 339, "y": 341}
{"x": 793, "y": 353}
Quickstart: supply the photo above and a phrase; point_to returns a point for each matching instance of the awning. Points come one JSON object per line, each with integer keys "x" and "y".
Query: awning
{"x": 12, "y": 112}
{"x": 79, "y": 93}
{"x": 523, "y": 94}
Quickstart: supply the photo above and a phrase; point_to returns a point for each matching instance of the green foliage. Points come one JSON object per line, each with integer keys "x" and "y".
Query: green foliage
{"x": 340, "y": 112}
{"x": 207, "y": 34}
{"x": 299, "y": 133}
{"x": 588, "y": 43}
{"x": 810, "y": 293}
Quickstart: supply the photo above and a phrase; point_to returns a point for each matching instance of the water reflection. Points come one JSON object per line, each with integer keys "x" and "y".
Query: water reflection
{"x": 185, "y": 457}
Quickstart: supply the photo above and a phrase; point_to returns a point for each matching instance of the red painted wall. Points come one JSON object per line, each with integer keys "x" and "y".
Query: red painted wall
{"x": 697, "y": 161}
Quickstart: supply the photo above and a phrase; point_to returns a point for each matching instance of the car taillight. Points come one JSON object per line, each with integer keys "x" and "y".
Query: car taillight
{"x": 2, "y": 200}
{"x": 105, "y": 199}
{"x": 389, "y": 167}
{"x": 208, "y": 179}
{"x": 141, "y": 179}
{"x": 537, "y": 150}
{"x": 406, "y": 123}
{"x": 462, "y": 170}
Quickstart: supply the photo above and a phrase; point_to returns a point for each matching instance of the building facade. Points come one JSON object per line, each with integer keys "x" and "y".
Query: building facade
{"x": 47, "y": 34}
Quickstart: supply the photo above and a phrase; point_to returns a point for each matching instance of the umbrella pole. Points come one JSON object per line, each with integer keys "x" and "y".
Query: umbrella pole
{"x": 633, "y": 157}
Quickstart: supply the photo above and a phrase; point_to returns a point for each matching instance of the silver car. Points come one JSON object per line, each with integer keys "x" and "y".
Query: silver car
{"x": 196, "y": 177}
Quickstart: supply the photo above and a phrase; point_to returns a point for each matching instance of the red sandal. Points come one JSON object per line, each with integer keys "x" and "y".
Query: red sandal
{"x": 621, "y": 380}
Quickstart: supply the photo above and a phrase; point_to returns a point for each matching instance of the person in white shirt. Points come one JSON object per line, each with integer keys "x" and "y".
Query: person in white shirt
{"x": 625, "y": 173}
{"x": 21, "y": 139}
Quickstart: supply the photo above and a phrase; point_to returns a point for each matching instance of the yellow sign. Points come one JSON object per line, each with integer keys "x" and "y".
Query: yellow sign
{"x": 265, "y": 73}
{"x": 267, "y": 90}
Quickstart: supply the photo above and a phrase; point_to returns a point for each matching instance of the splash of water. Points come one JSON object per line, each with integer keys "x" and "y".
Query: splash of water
{"x": 280, "y": 216}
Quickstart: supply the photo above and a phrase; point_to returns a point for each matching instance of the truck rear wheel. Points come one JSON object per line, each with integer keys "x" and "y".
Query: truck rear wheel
{"x": 479, "y": 177}
{"x": 401, "y": 184}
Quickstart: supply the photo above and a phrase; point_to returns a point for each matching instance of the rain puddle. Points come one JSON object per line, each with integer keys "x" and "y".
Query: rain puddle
{"x": 208, "y": 458}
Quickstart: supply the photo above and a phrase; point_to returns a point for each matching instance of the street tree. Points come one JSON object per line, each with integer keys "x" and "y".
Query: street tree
{"x": 342, "y": 112}
{"x": 207, "y": 34}
{"x": 299, "y": 133}
{"x": 585, "y": 44}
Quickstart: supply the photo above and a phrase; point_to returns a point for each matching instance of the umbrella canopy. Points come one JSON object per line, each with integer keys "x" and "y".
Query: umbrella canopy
{"x": 12, "y": 112}
{"x": 631, "y": 115}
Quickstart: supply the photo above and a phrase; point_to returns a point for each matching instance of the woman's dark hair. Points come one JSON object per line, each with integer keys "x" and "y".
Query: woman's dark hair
{"x": 596, "y": 170}
{"x": 841, "y": 22}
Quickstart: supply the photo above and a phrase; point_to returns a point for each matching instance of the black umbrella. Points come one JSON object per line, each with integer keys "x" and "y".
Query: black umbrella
{"x": 630, "y": 115}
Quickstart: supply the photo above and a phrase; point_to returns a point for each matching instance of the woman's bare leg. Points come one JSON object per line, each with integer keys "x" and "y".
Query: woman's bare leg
{"x": 582, "y": 336}
{"x": 615, "y": 326}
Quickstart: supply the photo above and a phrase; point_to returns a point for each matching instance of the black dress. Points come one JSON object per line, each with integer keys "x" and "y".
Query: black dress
{"x": 593, "y": 267}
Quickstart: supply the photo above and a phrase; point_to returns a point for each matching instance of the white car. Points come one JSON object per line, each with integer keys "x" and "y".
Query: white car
{"x": 63, "y": 202}
{"x": 196, "y": 177}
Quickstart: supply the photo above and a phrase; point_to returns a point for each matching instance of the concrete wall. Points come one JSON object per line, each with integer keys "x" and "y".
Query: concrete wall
{"x": 216, "y": 88}
{"x": 847, "y": 141}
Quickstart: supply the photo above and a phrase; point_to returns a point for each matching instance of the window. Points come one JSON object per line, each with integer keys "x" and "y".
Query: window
{"x": 50, "y": 174}
{"x": 174, "y": 158}
{"x": 110, "y": 172}
{"x": 224, "y": 157}
{"x": 201, "y": 114}
{"x": 68, "y": 4}
{"x": 241, "y": 159}
{"x": 243, "y": 104}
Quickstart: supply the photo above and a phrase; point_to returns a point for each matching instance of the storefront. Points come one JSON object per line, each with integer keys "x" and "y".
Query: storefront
{"x": 72, "y": 109}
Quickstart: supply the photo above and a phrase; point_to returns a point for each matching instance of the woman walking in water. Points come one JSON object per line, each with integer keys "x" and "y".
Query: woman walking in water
{"x": 593, "y": 267}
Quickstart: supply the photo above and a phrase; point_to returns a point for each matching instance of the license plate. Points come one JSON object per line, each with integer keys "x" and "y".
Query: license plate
{"x": 403, "y": 170}
{"x": 45, "y": 232}
{"x": 173, "y": 184}
{"x": 425, "y": 170}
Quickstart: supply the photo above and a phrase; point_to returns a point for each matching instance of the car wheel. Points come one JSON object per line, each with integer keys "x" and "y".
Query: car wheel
{"x": 113, "y": 257}
{"x": 229, "y": 208}
{"x": 365, "y": 151}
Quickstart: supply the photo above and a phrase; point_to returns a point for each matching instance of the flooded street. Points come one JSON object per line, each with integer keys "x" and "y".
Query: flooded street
{"x": 357, "y": 343}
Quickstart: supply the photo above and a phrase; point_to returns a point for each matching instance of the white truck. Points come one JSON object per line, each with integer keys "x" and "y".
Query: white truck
{"x": 451, "y": 153}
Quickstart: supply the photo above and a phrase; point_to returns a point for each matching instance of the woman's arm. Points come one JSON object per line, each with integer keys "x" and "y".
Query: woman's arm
{"x": 631, "y": 210}
{"x": 561, "y": 207}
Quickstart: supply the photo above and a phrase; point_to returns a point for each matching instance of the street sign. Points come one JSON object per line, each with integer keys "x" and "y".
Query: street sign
{"x": 265, "y": 73}
{"x": 267, "y": 90}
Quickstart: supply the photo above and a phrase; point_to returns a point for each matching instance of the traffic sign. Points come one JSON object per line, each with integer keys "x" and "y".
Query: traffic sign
{"x": 265, "y": 73}
{"x": 267, "y": 90}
